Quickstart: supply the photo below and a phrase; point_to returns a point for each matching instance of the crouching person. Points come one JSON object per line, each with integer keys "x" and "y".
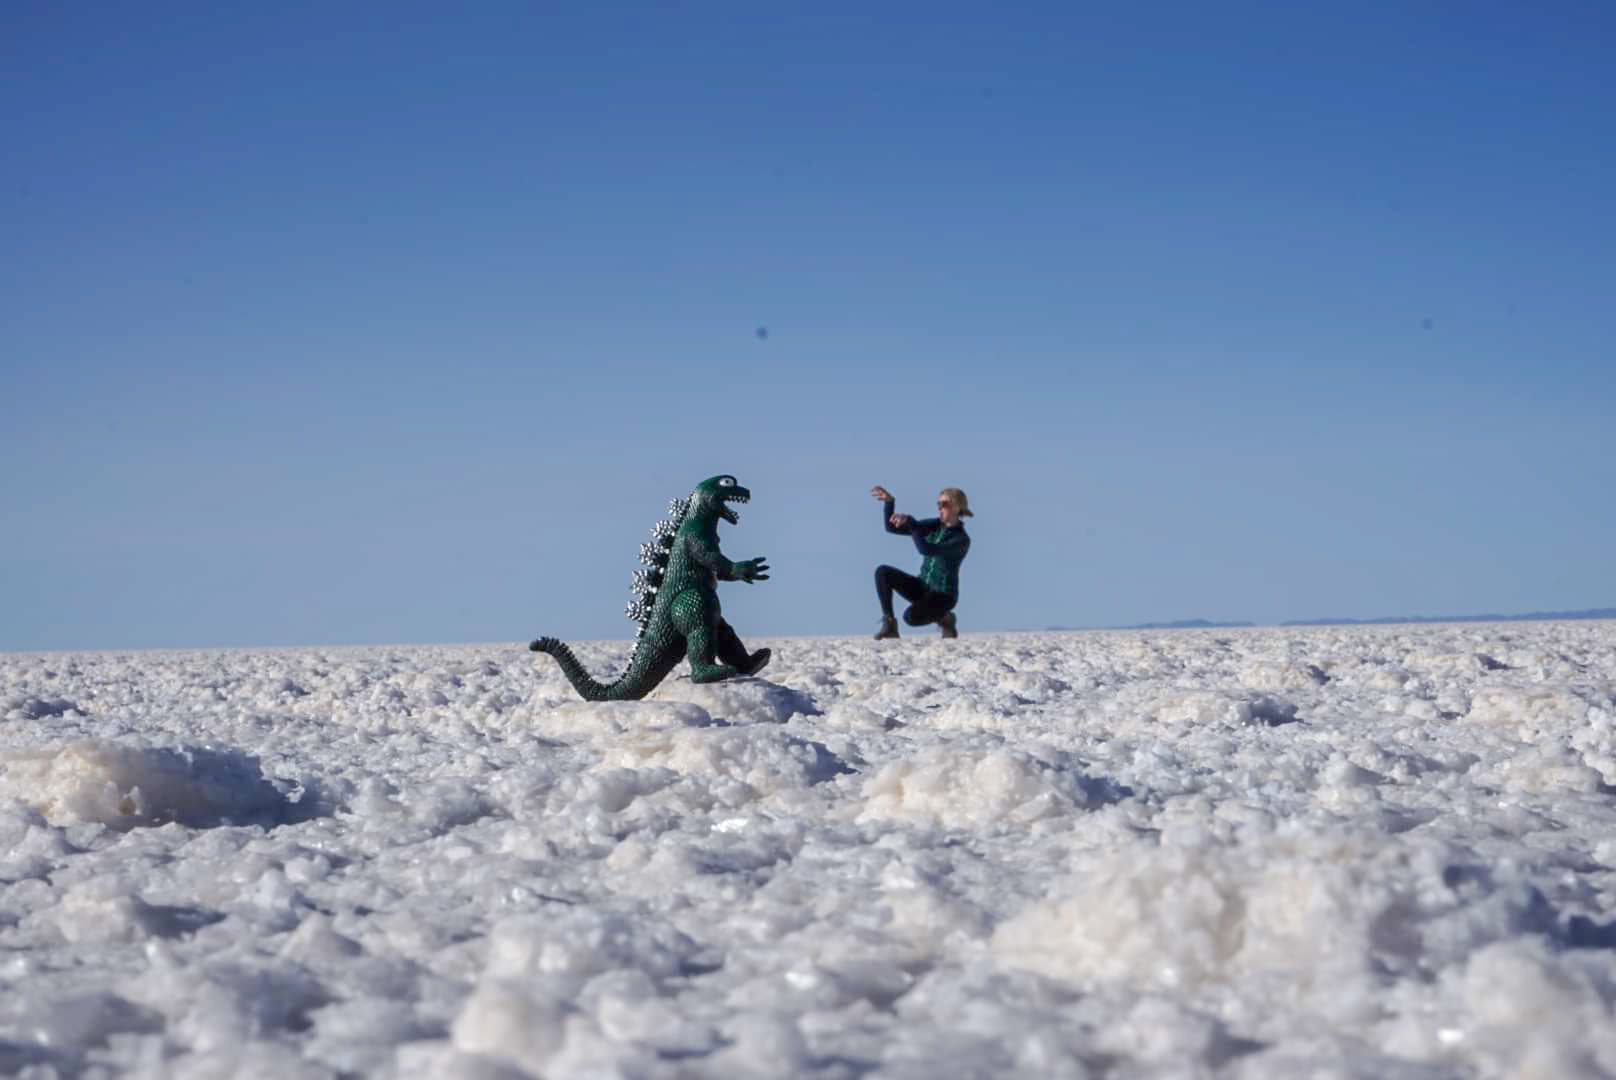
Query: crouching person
{"x": 942, "y": 543}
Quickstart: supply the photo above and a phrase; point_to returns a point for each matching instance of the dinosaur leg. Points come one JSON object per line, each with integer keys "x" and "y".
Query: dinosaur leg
{"x": 700, "y": 651}
{"x": 732, "y": 652}
{"x": 694, "y": 617}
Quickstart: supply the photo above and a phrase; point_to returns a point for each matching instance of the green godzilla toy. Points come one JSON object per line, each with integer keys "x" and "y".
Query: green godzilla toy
{"x": 677, "y": 602}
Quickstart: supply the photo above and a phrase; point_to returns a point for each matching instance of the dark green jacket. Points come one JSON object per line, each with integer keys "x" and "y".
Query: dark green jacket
{"x": 944, "y": 549}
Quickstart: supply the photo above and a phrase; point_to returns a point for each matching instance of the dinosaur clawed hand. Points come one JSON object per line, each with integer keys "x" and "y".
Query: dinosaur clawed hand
{"x": 750, "y": 570}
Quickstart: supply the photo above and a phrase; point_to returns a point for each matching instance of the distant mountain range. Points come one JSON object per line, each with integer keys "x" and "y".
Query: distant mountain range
{"x": 1385, "y": 620}
{"x": 1533, "y": 616}
{"x": 1183, "y": 624}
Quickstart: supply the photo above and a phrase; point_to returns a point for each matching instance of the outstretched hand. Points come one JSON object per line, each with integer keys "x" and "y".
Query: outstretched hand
{"x": 750, "y": 570}
{"x": 881, "y": 493}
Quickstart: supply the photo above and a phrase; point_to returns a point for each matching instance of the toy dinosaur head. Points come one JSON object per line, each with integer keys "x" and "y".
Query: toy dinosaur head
{"x": 713, "y": 495}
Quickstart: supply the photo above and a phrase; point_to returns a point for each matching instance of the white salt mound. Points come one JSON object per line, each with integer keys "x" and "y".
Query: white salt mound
{"x": 124, "y": 785}
{"x": 971, "y": 790}
{"x": 739, "y": 701}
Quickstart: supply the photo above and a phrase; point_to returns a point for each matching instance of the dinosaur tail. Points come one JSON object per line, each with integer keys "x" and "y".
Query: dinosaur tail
{"x": 588, "y": 688}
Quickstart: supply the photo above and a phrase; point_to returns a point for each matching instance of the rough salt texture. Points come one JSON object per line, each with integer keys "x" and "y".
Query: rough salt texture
{"x": 1363, "y": 852}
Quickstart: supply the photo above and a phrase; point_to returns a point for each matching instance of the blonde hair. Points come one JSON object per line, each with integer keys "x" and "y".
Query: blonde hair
{"x": 961, "y": 503}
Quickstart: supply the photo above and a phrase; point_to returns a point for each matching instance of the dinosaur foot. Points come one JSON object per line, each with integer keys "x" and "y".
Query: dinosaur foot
{"x": 707, "y": 673}
{"x": 757, "y": 662}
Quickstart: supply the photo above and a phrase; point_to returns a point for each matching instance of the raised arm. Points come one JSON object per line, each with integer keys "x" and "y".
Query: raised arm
{"x": 888, "y": 508}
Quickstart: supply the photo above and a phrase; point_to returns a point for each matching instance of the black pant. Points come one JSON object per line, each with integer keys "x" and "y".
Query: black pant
{"x": 926, "y": 605}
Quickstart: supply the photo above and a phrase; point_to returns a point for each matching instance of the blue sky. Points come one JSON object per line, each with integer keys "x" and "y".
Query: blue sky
{"x": 398, "y": 323}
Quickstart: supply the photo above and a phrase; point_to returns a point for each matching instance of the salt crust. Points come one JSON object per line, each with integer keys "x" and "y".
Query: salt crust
{"x": 1365, "y": 851}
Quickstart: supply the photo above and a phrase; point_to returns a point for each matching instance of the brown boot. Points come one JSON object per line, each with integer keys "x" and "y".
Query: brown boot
{"x": 889, "y": 628}
{"x": 947, "y": 623}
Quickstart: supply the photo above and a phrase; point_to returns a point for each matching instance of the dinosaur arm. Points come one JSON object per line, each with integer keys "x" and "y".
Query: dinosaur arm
{"x": 710, "y": 557}
{"x": 747, "y": 570}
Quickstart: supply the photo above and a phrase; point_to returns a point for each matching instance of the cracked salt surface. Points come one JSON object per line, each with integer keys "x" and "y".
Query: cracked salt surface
{"x": 1365, "y": 852}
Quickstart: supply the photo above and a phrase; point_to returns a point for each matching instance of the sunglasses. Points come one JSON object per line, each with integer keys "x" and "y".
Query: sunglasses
{"x": 943, "y": 504}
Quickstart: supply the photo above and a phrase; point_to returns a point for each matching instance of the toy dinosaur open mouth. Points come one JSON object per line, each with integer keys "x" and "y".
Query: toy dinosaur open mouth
{"x": 725, "y": 512}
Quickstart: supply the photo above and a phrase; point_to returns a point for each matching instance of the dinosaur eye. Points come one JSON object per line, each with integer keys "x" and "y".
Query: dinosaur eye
{"x": 727, "y": 481}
